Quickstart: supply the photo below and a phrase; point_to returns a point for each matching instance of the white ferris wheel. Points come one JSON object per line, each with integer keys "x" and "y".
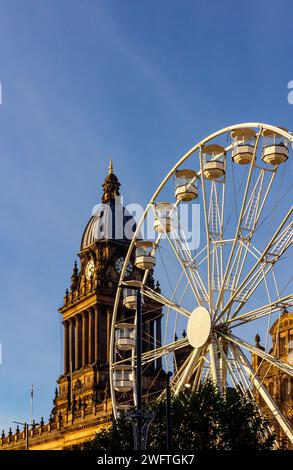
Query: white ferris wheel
{"x": 218, "y": 288}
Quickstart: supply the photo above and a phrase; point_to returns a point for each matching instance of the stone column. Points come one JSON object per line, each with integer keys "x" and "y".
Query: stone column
{"x": 158, "y": 340}
{"x": 91, "y": 336}
{"x": 85, "y": 347}
{"x": 66, "y": 346}
{"x": 108, "y": 334}
{"x": 71, "y": 344}
{"x": 78, "y": 341}
{"x": 96, "y": 333}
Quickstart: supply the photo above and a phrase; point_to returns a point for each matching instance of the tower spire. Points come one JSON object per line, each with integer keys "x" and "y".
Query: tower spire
{"x": 111, "y": 185}
{"x": 110, "y": 166}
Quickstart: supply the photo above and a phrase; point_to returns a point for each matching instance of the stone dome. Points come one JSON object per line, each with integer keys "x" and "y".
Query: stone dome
{"x": 110, "y": 219}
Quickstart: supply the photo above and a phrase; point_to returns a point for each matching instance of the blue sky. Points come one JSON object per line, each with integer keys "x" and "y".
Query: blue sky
{"x": 140, "y": 80}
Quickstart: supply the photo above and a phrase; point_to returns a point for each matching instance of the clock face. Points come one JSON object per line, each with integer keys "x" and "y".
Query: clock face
{"x": 118, "y": 265}
{"x": 90, "y": 269}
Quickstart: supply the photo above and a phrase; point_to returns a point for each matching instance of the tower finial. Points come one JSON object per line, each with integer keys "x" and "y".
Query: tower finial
{"x": 110, "y": 167}
{"x": 111, "y": 185}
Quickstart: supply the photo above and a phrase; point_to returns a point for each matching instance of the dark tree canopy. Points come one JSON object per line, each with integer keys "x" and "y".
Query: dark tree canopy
{"x": 202, "y": 420}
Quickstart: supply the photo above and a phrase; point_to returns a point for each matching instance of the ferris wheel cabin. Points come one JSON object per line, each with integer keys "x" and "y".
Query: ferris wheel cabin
{"x": 275, "y": 149}
{"x": 163, "y": 220}
{"x": 123, "y": 378}
{"x": 125, "y": 336}
{"x": 214, "y": 165}
{"x": 243, "y": 145}
{"x": 185, "y": 187}
{"x": 129, "y": 299}
{"x": 145, "y": 255}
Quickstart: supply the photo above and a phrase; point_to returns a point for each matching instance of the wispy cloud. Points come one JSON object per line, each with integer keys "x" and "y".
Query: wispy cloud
{"x": 149, "y": 72}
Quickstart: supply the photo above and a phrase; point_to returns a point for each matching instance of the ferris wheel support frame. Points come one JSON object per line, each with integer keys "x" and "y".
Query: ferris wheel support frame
{"x": 234, "y": 344}
{"x": 270, "y": 402}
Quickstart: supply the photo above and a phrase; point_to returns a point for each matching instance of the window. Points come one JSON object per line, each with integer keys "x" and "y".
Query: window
{"x": 290, "y": 343}
{"x": 282, "y": 346}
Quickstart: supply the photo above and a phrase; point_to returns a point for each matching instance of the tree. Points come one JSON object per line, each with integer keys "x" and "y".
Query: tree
{"x": 202, "y": 420}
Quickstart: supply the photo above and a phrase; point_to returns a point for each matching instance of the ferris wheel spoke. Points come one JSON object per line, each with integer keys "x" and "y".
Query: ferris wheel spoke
{"x": 283, "y": 366}
{"x": 260, "y": 312}
{"x": 194, "y": 362}
{"x": 178, "y": 371}
{"x": 241, "y": 372}
{"x": 177, "y": 375}
{"x": 216, "y": 229}
{"x": 224, "y": 363}
{"x": 240, "y": 375}
{"x": 254, "y": 202}
{"x": 153, "y": 354}
{"x": 208, "y": 240}
{"x": 216, "y": 365}
{"x": 270, "y": 402}
{"x": 238, "y": 228}
{"x": 198, "y": 375}
{"x": 213, "y": 206}
{"x": 233, "y": 370}
{"x": 235, "y": 380}
{"x": 161, "y": 299}
{"x": 275, "y": 249}
{"x": 191, "y": 267}
{"x": 183, "y": 256}
{"x": 248, "y": 226}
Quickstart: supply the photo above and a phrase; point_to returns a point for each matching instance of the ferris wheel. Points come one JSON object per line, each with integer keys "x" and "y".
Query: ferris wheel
{"x": 222, "y": 226}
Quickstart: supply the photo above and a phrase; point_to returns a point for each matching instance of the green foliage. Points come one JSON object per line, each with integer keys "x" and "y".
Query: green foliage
{"x": 202, "y": 420}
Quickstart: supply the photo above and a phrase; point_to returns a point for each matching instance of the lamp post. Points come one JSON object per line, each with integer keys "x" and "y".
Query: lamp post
{"x": 168, "y": 412}
{"x": 139, "y": 367}
{"x": 26, "y": 429}
{"x": 138, "y": 349}
{"x": 140, "y": 418}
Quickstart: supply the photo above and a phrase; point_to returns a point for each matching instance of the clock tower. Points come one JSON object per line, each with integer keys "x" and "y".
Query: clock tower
{"x": 88, "y": 304}
{"x": 82, "y": 403}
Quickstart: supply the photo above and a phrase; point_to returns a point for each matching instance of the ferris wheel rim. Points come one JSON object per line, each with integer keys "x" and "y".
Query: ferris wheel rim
{"x": 199, "y": 145}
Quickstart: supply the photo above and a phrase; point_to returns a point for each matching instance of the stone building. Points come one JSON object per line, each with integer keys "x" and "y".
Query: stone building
{"x": 82, "y": 404}
{"x": 278, "y": 383}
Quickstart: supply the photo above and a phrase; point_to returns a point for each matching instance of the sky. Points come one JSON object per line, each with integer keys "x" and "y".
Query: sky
{"x": 142, "y": 81}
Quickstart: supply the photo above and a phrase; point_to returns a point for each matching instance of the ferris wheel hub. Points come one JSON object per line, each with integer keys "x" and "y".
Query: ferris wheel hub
{"x": 199, "y": 327}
